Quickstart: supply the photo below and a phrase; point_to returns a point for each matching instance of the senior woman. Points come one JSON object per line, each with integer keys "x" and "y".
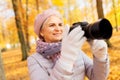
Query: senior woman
{"x": 58, "y": 53}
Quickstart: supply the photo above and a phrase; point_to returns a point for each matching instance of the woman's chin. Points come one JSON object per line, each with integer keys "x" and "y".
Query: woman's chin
{"x": 57, "y": 40}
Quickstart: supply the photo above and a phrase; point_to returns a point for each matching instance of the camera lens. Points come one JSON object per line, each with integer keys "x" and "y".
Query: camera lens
{"x": 101, "y": 29}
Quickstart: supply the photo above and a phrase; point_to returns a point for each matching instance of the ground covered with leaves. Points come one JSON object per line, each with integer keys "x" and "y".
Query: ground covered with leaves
{"x": 15, "y": 69}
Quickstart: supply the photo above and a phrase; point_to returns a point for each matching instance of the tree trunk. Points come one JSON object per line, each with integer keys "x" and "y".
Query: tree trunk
{"x": 24, "y": 18}
{"x": 101, "y": 15}
{"x": 2, "y": 74}
{"x": 19, "y": 28}
{"x": 37, "y": 6}
{"x": 27, "y": 35}
{"x": 115, "y": 13}
{"x": 99, "y": 9}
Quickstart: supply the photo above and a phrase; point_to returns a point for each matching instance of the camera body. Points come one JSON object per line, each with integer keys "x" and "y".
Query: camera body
{"x": 101, "y": 29}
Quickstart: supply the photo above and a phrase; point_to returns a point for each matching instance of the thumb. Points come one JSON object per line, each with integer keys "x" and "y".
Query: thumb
{"x": 66, "y": 31}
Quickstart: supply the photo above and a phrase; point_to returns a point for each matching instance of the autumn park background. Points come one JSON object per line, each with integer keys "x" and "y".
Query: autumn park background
{"x": 17, "y": 38}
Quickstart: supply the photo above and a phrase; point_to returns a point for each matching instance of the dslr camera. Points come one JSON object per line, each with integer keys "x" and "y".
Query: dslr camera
{"x": 101, "y": 29}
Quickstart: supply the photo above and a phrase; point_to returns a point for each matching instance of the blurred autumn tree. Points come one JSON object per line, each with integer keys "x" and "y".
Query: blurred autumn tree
{"x": 37, "y": 6}
{"x": 2, "y": 74}
{"x": 11, "y": 33}
{"x": 24, "y": 20}
{"x": 115, "y": 13}
{"x": 101, "y": 15}
{"x": 19, "y": 28}
{"x": 99, "y": 9}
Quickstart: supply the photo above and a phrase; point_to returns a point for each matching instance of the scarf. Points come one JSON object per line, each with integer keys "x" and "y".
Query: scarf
{"x": 48, "y": 50}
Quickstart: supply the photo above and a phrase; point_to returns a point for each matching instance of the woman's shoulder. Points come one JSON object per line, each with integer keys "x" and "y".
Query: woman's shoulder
{"x": 39, "y": 59}
{"x": 34, "y": 55}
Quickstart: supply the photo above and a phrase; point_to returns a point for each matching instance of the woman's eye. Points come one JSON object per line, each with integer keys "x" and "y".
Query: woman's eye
{"x": 51, "y": 25}
{"x": 60, "y": 24}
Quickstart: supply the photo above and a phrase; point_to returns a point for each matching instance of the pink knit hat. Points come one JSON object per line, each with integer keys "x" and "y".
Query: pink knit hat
{"x": 40, "y": 19}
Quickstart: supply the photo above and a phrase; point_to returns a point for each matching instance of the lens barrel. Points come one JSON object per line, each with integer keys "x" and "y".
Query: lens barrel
{"x": 101, "y": 29}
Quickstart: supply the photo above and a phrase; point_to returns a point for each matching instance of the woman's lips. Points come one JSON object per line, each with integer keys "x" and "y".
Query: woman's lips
{"x": 57, "y": 34}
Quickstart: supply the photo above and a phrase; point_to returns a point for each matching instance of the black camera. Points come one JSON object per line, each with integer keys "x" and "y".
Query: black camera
{"x": 101, "y": 29}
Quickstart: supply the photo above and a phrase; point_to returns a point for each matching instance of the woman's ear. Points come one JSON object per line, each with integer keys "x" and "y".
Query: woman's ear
{"x": 41, "y": 34}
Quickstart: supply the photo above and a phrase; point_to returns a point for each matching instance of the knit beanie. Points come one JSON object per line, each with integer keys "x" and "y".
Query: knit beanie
{"x": 40, "y": 19}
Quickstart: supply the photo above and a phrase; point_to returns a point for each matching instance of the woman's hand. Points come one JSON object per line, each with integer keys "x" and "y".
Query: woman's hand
{"x": 71, "y": 44}
{"x": 99, "y": 49}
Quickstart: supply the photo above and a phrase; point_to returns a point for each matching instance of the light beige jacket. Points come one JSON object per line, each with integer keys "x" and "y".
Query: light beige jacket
{"x": 41, "y": 68}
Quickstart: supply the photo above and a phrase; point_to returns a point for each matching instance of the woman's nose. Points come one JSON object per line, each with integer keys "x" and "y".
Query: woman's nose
{"x": 57, "y": 28}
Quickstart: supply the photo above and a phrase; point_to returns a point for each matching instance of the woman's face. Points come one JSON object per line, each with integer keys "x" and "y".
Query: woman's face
{"x": 52, "y": 29}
